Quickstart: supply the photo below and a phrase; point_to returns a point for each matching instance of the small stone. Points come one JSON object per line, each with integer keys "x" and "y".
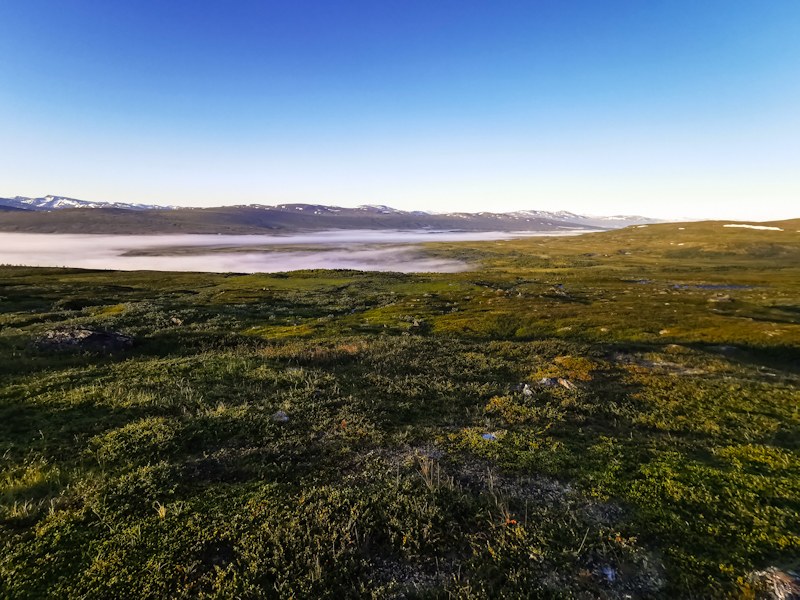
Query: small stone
{"x": 724, "y": 349}
{"x": 567, "y": 384}
{"x": 779, "y": 585}
{"x": 676, "y": 349}
{"x": 280, "y": 417}
{"x": 548, "y": 382}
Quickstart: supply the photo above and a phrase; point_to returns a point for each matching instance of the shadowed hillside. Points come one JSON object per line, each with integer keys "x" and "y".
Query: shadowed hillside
{"x": 252, "y": 220}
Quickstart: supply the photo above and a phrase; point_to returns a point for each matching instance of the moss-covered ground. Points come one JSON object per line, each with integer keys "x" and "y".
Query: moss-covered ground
{"x": 414, "y": 463}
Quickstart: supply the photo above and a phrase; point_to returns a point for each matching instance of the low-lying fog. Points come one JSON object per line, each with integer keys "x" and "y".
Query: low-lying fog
{"x": 349, "y": 249}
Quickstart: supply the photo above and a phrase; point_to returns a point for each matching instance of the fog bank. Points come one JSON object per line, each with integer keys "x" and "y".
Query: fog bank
{"x": 338, "y": 250}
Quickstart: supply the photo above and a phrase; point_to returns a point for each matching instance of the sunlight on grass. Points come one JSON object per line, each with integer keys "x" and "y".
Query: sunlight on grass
{"x": 581, "y": 417}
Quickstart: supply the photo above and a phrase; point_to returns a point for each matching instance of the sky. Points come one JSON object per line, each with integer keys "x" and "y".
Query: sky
{"x": 665, "y": 108}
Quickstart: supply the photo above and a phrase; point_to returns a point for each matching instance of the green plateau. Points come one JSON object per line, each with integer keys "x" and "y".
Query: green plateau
{"x": 612, "y": 415}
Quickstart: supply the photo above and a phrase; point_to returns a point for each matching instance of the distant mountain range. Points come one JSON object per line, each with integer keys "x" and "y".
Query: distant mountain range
{"x": 58, "y": 214}
{"x": 61, "y": 202}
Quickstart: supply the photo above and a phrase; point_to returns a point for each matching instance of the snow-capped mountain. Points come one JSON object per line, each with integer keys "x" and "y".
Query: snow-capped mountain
{"x": 59, "y": 202}
{"x": 612, "y": 222}
{"x": 522, "y": 219}
{"x": 563, "y": 217}
{"x": 388, "y": 210}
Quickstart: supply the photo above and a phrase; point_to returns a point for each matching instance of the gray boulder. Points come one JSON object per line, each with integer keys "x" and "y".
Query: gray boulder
{"x": 81, "y": 338}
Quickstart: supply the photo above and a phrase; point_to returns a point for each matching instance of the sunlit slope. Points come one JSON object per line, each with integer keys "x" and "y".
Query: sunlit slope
{"x": 346, "y": 434}
{"x": 665, "y": 247}
{"x": 688, "y": 282}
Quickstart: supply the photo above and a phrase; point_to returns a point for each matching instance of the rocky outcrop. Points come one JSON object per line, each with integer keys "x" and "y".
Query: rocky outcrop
{"x": 80, "y": 338}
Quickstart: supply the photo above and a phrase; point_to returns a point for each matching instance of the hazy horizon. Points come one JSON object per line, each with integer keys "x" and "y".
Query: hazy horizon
{"x": 720, "y": 217}
{"x": 666, "y": 109}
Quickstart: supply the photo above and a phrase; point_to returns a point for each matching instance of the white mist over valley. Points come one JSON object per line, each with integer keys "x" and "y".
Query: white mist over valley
{"x": 351, "y": 249}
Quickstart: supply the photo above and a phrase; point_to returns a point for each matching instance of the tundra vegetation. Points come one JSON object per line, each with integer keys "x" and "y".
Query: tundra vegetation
{"x": 344, "y": 434}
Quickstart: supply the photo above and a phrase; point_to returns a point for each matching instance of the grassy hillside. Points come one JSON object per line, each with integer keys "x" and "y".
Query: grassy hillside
{"x": 339, "y": 434}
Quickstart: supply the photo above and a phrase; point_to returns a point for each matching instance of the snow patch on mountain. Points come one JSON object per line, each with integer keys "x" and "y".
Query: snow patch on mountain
{"x": 382, "y": 209}
{"x": 563, "y": 216}
{"x": 764, "y": 227}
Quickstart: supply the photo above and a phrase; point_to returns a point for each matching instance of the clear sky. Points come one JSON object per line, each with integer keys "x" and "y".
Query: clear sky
{"x": 665, "y": 108}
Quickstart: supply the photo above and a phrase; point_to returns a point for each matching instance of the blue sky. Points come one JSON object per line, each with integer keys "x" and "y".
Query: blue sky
{"x": 664, "y": 108}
